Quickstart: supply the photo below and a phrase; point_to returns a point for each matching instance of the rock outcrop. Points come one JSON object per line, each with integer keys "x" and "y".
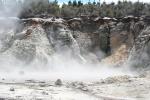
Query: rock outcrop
{"x": 38, "y": 38}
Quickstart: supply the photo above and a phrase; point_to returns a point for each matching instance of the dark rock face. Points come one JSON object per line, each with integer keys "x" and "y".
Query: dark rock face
{"x": 91, "y": 34}
{"x": 120, "y": 34}
{"x": 104, "y": 38}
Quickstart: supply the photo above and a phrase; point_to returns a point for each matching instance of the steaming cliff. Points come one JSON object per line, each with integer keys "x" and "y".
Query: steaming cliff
{"x": 97, "y": 51}
{"x": 86, "y": 39}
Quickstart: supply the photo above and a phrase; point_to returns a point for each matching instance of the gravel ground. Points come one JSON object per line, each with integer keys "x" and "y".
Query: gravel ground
{"x": 111, "y": 88}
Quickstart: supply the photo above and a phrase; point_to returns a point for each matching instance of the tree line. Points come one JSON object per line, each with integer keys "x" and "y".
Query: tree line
{"x": 42, "y": 8}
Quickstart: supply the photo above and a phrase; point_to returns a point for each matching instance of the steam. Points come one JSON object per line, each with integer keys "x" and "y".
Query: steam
{"x": 60, "y": 67}
{"x": 47, "y": 64}
{"x": 9, "y": 13}
{"x": 10, "y": 8}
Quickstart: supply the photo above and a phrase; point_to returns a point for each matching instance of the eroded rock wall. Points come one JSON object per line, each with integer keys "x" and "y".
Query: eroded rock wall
{"x": 40, "y": 38}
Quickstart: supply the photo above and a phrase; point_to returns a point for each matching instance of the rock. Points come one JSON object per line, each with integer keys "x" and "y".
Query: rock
{"x": 116, "y": 79}
{"x": 139, "y": 54}
{"x": 104, "y": 36}
{"x": 12, "y": 89}
{"x": 44, "y": 93}
{"x": 42, "y": 85}
{"x": 3, "y": 79}
{"x": 30, "y": 81}
{"x": 58, "y": 82}
{"x": 39, "y": 38}
{"x": 118, "y": 57}
{"x": 84, "y": 89}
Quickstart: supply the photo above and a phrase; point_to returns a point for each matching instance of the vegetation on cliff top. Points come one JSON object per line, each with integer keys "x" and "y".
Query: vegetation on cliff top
{"x": 40, "y": 8}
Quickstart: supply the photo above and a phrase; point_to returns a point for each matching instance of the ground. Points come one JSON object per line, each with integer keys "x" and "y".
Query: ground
{"x": 111, "y": 88}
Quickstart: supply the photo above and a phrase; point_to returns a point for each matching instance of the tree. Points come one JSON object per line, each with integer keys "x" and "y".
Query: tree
{"x": 94, "y": 3}
{"x": 69, "y": 3}
{"x": 74, "y": 3}
{"x": 77, "y": 8}
{"x": 53, "y": 8}
{"x": 80, "y": 3}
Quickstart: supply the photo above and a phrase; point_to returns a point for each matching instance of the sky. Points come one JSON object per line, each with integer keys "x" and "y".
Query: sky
{"x": 108, "y": 1}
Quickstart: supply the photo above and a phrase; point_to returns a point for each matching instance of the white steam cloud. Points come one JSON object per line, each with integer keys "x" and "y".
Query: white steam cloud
{"x": 60, "y": 65}
{"x": 10, "y": 8}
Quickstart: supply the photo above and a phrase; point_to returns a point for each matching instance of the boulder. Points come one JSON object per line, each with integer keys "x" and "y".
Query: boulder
{"x": 58, "y": 82}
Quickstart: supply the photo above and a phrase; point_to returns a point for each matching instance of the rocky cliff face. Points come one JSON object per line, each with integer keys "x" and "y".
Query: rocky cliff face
{"x": 110, "y": 34}
{"x": 37, "y": 38}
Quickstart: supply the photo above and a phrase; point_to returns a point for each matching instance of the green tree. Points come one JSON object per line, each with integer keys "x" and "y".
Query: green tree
{"x": 69, "y": 3}
{"x": 80, "y": 3}
{"x": 75, "y": 3}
